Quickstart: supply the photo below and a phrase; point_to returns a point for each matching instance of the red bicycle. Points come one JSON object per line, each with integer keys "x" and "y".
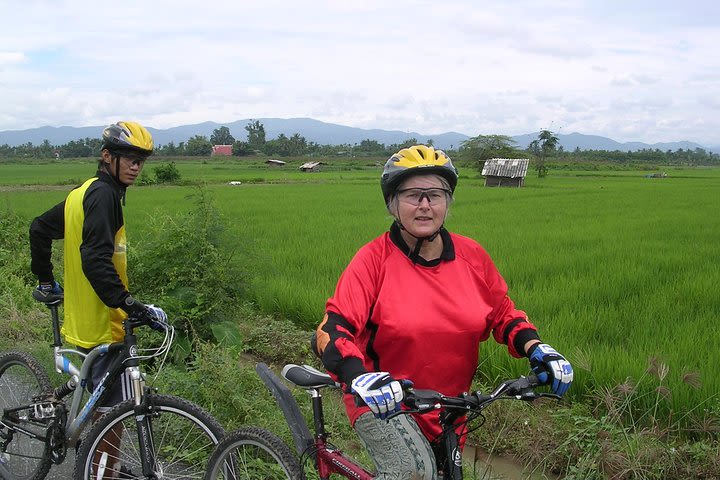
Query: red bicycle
{"x": 255, "y": 453}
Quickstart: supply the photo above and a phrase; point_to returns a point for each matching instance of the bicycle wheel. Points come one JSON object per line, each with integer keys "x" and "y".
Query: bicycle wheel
{"x": 21, "y": 378}
{"x": 252, "y": 453}
{"x": 184, "y": 436}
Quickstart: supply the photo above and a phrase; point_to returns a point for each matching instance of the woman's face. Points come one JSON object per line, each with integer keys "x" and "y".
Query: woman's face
{"x": 422, "y": 204}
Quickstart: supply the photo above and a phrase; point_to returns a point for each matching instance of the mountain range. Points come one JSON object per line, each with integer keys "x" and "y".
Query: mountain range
{"x": 326, "y": 134}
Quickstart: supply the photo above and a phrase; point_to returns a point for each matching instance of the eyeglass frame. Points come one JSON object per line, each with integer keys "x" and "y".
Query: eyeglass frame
{"x": 135, "y": 160}
{"x": 424, "y": 193}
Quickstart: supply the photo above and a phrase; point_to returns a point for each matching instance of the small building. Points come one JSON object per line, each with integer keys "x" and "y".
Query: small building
{"x": 505, "y": 172}
{"x": 223, "y": 150}
{"x": 656, "y": 175}
{"x": 310, "y": 167}
{"x": 275, "y": 163}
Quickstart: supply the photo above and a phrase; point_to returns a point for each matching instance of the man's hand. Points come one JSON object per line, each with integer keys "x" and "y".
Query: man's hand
{"x": 48, "y": 292}
{"x": 381, "y": 392}
{"x": 551, "y": 368}
{"x": 157, "y": 317}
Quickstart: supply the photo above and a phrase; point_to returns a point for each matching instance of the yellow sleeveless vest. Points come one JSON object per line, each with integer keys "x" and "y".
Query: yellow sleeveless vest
{"x": 88, "y": 321}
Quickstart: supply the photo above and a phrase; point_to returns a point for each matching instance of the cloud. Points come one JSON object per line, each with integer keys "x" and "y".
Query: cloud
{"x": 504, "y": 67}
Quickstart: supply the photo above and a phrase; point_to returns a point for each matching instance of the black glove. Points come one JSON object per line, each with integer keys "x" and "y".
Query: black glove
{"x": 155, "y": 316}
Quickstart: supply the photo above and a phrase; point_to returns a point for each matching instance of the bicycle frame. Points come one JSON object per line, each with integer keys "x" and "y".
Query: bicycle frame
{"x": 327, "y": 459}
{"x": 78, "y": 416}
{"x": 330, "y": 460}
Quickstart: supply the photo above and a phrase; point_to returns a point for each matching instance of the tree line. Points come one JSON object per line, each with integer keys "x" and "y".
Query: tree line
{"x": 473, "y": 151}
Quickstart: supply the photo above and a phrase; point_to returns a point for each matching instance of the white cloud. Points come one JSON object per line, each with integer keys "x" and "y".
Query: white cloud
{"x": 629, "y": 70}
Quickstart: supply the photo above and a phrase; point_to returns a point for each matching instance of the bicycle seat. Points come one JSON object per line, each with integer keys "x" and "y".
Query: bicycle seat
{"x": 307, "y": 377}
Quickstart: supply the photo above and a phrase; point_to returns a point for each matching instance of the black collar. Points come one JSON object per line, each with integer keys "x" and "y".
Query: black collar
{"x": 447, "y": 254}
{"x": 103, "y": 176}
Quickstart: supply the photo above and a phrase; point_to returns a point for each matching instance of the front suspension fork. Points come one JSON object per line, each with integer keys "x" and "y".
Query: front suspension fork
{"x": 144, "y": 410}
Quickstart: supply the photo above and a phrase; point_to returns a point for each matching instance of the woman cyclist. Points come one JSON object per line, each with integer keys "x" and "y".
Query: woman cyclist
{"x": 415, "y": 303}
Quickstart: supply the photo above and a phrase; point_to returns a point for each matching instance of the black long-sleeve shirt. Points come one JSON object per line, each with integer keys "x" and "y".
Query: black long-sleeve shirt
{"x": 103, "y": 218}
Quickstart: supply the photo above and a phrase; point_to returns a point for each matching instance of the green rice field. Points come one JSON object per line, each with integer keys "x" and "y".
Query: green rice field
{"x": 614, "y": 268}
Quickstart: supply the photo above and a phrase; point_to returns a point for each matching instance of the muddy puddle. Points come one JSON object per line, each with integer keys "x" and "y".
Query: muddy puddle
{"x": 493, "y": 467}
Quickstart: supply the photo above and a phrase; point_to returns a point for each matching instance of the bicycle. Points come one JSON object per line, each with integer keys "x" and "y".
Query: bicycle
{"x": 149, "y": 436}
{"x": 255, "y": 453}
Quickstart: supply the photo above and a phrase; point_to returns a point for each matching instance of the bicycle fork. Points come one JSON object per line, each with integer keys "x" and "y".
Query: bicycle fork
{"x": 143, "y": 422}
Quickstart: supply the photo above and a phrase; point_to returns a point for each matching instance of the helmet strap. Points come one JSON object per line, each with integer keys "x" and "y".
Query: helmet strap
{"x": 117, "y": 168}
{"x": 114, "y": 157}
{"x": 415, "y": 254}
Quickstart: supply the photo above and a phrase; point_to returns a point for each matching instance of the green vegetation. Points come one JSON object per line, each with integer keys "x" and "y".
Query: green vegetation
{"x": 616, "y": 270}
{"x": 473, "y": 151}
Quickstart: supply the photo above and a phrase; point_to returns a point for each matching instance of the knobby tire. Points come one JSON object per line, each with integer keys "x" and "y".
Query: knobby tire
{"x": 252, "y": 453}
{"x": 184, "y": 436}
{"x": 21, "y": 378}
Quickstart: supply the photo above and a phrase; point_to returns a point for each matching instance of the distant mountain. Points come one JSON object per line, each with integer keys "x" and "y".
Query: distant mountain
{"x": 324, "y": 134}
{"x": 594, "y": 142}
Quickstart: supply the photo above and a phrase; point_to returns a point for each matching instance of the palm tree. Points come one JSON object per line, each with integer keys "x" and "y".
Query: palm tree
{"x": 542, "y": 147}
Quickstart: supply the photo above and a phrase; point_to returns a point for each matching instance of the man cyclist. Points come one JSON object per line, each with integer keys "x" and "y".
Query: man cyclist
{"x": 415, "y": 303}
{"x": 90, "y": 220}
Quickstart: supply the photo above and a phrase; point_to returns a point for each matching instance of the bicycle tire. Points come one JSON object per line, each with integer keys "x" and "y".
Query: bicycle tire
{"x": 252, "y": 453}
{"x": 184, "y": 436}
{"x": 21, "y": 378}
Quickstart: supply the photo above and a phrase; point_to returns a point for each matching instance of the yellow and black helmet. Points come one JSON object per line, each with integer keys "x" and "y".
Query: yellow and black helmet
{"x": 128, "y": 136}
{"x": 415, "y": 160}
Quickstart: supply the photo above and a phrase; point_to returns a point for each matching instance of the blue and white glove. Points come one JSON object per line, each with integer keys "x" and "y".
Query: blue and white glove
{"x": 551, "y": 368}
{"x": 48, "y": 292}
{"x": 157, "y": 317}
{"x": 381, "y": 392}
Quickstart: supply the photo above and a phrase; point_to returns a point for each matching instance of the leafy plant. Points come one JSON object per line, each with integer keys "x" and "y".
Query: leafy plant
{"x": 183, "y": 266}
{"x": 167, "y": 173}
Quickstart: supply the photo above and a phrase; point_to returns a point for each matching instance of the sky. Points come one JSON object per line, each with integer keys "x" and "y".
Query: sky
{"x": 645, "y": 71}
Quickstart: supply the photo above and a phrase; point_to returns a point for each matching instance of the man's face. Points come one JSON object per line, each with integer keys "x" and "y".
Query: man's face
{"x": 128, "y": 168}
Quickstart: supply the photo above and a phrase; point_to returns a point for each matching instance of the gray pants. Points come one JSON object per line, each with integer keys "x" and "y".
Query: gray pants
{"x": 122, "y": 387}
{"x": 398, "y": 448}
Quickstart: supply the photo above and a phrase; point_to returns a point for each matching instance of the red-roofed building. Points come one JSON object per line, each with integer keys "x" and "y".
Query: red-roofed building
{"x": 225, "y": 150}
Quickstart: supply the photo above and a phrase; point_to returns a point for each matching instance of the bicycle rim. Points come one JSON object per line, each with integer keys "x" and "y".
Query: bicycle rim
{"x": 253, "y": 454}
{"x": 184, "y": 437}
{"x": 22, "y": 378}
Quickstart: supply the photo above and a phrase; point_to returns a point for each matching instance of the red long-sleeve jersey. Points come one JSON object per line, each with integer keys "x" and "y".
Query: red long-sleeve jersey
{"x": 420, "y": 321}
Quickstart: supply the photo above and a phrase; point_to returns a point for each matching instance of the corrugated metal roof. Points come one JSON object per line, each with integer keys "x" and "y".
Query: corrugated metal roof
{"x": 506, "y": 167}
{"x": 308, "y": 165}
{"x": 222, "y": 150}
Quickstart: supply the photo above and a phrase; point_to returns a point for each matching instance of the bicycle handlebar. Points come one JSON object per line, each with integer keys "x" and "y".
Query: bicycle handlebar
{"x": 135, "y": 320}
{"x": 420, "y": 400}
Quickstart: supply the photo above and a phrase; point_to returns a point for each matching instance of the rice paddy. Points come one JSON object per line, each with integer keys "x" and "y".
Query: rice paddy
{"x": 615, "y": 270}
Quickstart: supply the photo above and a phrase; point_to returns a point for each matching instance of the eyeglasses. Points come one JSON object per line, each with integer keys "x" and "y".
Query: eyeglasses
{"x": 135, "y": 161}
{"x": 414, "y": 196}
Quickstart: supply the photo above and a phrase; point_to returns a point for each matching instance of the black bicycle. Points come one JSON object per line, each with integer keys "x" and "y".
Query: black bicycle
{"x": 149, "y": 436}
{"x": 255, "y": 453}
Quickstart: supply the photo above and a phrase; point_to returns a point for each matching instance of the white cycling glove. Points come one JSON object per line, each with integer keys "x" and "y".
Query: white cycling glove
{"x": 380, "y": 391}
{"x": 551, "y": 368}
